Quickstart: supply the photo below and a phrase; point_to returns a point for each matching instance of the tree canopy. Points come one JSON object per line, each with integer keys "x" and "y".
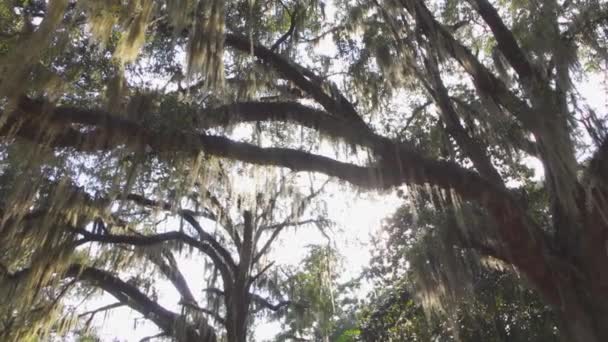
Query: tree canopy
{"x": 213, "y": 113}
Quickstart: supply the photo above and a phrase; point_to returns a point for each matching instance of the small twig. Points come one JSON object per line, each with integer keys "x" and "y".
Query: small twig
{"x": 150, "y": 338}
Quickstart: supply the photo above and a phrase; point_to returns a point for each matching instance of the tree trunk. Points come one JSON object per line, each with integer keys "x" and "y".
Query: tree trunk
{"x": 237, "y": 318}
{"x": 583, "y": 287}
{"x": 584, "y": 318}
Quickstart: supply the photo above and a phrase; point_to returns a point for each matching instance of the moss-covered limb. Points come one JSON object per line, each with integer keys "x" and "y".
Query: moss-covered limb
{"x": 168, "y": 321}
{"x": 554, "y": 143}
{"x": 157, "y": 239}
{"x": 189, "y": 217}
{"x": 516, "y": 135}
{"x": 400, "y": 164}
{"x": 334, "y": 102}
{"x": 486, "y": 82}
{"x": 292, "y": 112}
{"x": 543, "y": 117}
{"x": 507, "y": 43}
{"x": 129, "y": 295}
{"x": 472, "y": 148}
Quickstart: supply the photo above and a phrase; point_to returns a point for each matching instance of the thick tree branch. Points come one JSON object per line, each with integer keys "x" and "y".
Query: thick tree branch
{"x": 399, "y": 164}
{"x": 149, "y": 240}
{"x": 334, "y": 102}
{"x": 130, "y": 295}
{"x": 473, "y": 149}
{"x": 507, "y": 43}
{"x": 485, "y": 81}
{"x": 291, "y": 112}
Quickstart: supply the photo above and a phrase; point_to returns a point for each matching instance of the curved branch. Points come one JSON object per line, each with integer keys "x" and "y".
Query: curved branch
{"x": 507, "y": 43}
{"x": 130, "y": 295}
{"x": 276, "y": 230}
{"x": 472, "y": 148}
{"x": 188, "y": 216}
{"x": 260, "y": 273}
{"x": 485, "y": 81}
{"x": 334, "y": 102}
{"x": 291, "y": 112}
{"x": 149, "y": 240}
{"x": 398, "y": 164}
{"x": 206, "y": 237}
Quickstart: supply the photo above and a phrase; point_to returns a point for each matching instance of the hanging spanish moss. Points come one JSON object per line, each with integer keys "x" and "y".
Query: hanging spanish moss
{"x": 17, "y": 65}
{"x": 206, "y": 44}
{"x": 135, "y": 22}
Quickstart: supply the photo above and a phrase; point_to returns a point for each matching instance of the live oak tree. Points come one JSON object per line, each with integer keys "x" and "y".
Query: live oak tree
{"x": 448, "y": 97}
{"x": 100, "y": 251}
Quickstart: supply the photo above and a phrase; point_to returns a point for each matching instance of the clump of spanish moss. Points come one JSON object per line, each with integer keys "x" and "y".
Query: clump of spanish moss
{"x": 206, "y": 46}
{"x": 17, "y": 65}
{"x": 102, "y": 17}
{"x": 180, "y": 13}
{"x": 130, "y": 44}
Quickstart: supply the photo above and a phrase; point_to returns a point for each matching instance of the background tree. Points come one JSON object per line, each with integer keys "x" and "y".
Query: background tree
{"x": 327, "y": 305}
{"x": 131, "y": 241}
{"x": 81, "y": 103}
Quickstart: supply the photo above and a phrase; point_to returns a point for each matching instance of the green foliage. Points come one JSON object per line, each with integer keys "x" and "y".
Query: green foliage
{"x": 443, "y": 295}
{"x": 350, "y": 335}
{"x": 314, "y": 288}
